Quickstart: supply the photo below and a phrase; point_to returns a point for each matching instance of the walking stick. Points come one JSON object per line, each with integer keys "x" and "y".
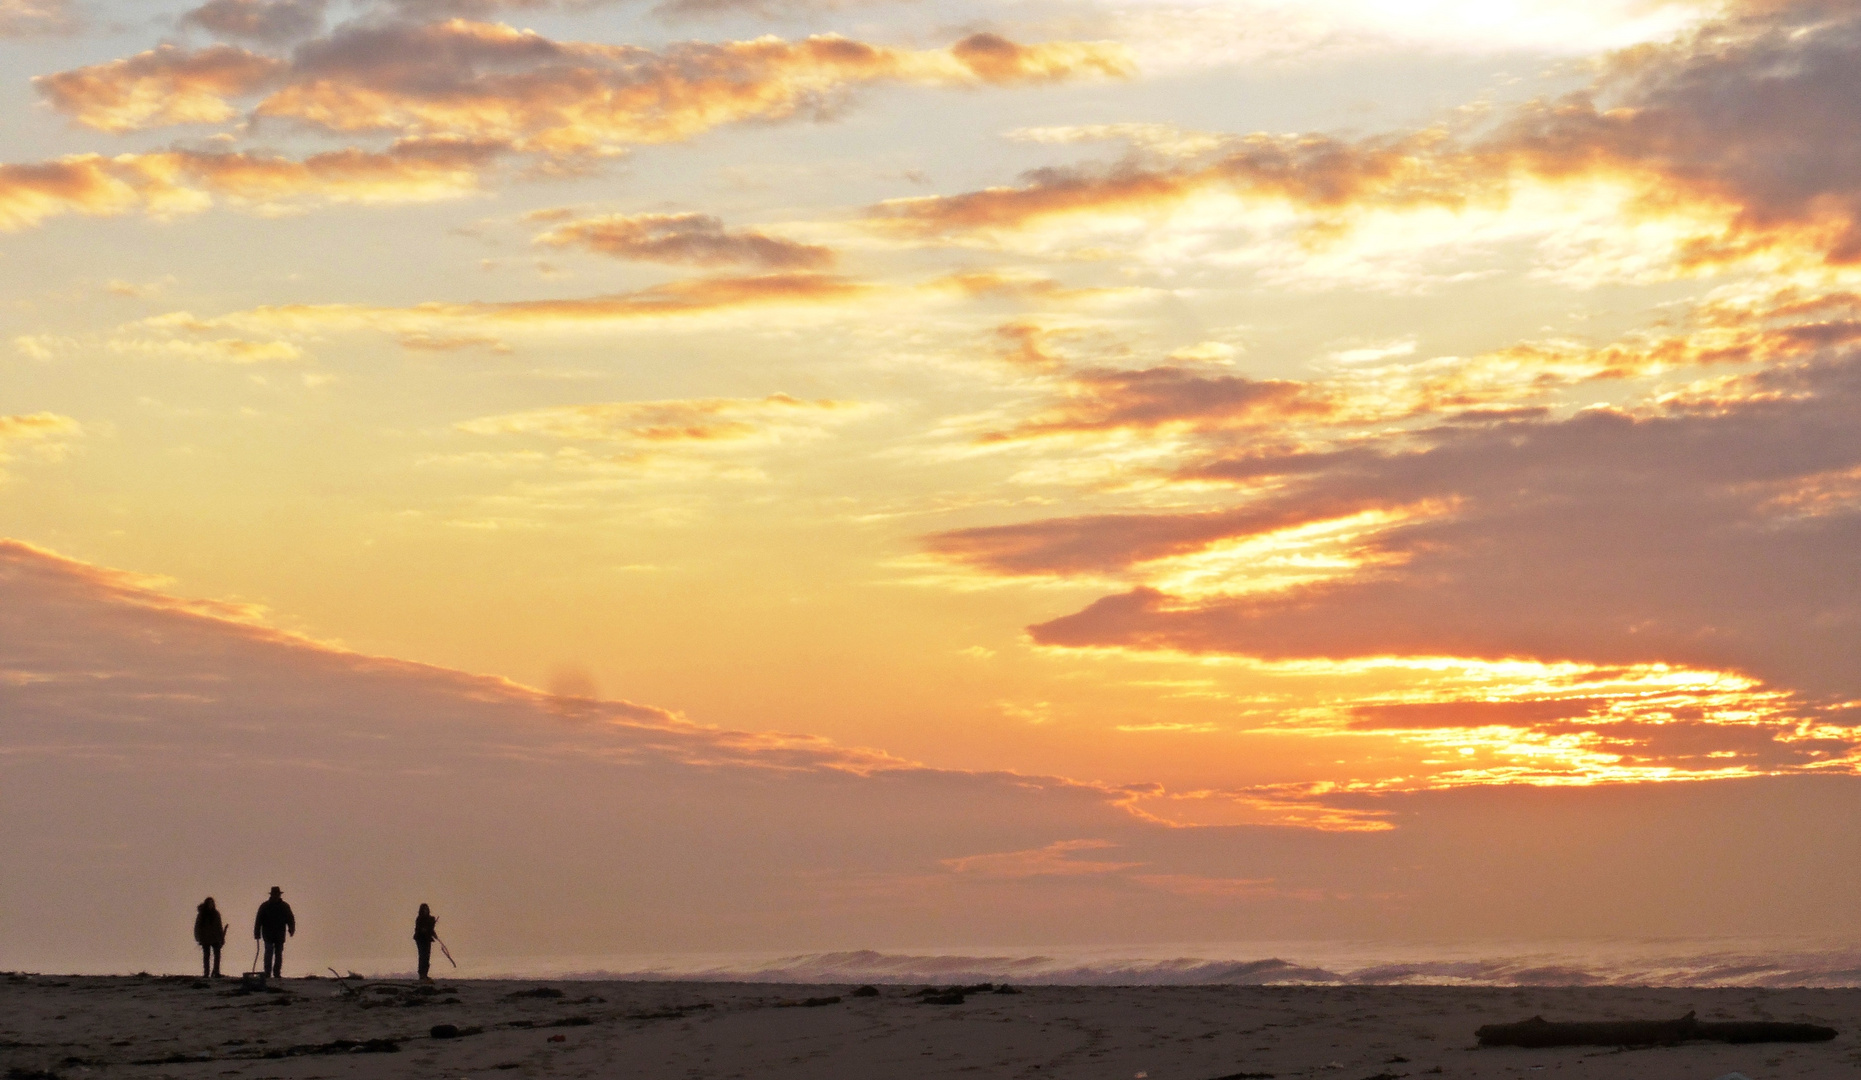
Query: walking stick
{"x": 444, "y": 949}
{"x": 255, "y": 948}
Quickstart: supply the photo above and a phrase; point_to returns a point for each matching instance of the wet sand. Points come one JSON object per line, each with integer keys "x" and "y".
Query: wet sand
{"x": 73, "y": 1027}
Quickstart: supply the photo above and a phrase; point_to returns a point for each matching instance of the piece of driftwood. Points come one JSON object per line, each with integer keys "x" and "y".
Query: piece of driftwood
{"x": 1539, "y": 1032}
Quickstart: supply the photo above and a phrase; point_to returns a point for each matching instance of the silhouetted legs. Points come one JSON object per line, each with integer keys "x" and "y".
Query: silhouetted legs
{"x": 209, "y": 961}
{"x": 426, "y": 956}
{"x": 274, "y": 959}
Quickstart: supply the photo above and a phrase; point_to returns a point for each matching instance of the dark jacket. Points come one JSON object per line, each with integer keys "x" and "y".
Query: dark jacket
{"x": 274, "y": 918}
{"x": 209, "y": 928}
{"x": 424, "y": 927}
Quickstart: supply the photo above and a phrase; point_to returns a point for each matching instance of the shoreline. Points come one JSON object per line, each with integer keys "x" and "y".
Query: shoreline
{"x": 186, "y": 1027}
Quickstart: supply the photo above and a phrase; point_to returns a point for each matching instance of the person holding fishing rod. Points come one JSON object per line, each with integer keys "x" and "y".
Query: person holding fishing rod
{"x": 425, "y": 934}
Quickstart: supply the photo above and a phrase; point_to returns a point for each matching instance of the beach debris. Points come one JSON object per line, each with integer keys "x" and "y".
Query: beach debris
{"x": 866, "y": 991}
{"x": 1539, "y": 1032}
{"x": 334, "y": 1046}
{"x": 676, "y": 1012}
{"x": 952, "y": 995}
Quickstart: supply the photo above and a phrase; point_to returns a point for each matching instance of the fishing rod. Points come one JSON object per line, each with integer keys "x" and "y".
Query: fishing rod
{"x": 444, "y": 949}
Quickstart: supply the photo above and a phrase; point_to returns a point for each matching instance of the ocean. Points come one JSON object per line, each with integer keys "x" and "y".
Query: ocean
{"x": 1661, "y": 962}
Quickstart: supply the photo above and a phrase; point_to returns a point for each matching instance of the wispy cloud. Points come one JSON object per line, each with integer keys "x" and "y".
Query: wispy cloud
{"x": 490, "y": 82}
{"x": 690, "y": 239}
{"x": 31, "y": 18}
{"x": 42, "y": 434}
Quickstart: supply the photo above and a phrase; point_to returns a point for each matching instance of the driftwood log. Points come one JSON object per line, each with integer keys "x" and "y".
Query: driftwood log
{"x": 1539, "y": 1032}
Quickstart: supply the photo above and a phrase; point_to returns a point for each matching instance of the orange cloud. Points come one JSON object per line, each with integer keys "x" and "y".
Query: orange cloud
{"x": 659, "y": 423}
{"x": 443, "y": 325}
{"x": 572, "y": 98}
{"x": 693, "y": 239}
{"x": 164, "y": 86}
{"x": 1053, "y": 860}
{"x": 270, "y": 21}
{"x": 28, "y": 18}
{"x": 1313, "y": 171}
{"x": 489, "y": 82}
{"x": 1102, "y": 400}
{"x": 1729, "y": 132}
{"x": 998, "y": 61}
{"x": 173, "y": 182}
{"x": 1027, "y": 344}
{"x": 42, "y": 429}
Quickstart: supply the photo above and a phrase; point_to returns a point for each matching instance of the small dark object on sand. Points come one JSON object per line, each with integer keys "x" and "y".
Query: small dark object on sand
{"x": 817, "y": 1002}
{"x": 444, "y": 1031}
{"x": 1539, "y": 1032}
{"x": 1006, "y": 989}
{"x": 866, "y": 991}
{"x": 252, "y": 980}
{"x": 950, "y": 997}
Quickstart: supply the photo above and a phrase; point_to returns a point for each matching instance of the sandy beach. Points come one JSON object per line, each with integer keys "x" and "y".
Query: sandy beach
{"x": 173, "y": 1026}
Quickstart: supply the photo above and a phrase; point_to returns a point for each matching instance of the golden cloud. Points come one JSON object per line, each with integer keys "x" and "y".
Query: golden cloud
{"x": 1728, "y": 133}
{"x": 693, "y": 239}
{"x": 664, "y": 423}
{"x": 26, "y": 18}
{"x": 1168, "y": 398}
{"x": 488, "y": 82}
{"x": 1054, "y": 860}
{"x": 42, "y": 429}
{"x": 163, "y": 86}
{"x": 439, "y": 323}
{"x": 1312, "y": 171}
{"x": 269, "y": 21}
{"x": 167, "y": 183}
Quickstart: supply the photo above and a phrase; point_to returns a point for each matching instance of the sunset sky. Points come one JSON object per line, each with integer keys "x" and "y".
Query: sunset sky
{"x": 730, "y": 474}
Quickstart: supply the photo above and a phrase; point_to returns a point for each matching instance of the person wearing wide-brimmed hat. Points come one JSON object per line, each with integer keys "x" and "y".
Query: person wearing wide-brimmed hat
{"x": 274, "y": 923}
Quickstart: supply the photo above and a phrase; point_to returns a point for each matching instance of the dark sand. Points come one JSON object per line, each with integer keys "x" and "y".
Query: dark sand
{"x": 160, "y": 1027}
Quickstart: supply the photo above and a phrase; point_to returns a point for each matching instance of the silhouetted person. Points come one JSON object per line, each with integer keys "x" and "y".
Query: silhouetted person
{"x": 425, "y": 931}
{"x": 274, "y": 922}
{"x": 210, "y": 934}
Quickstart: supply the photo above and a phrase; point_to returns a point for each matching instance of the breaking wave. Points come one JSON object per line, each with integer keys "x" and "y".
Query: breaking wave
{"x": 1661, "y": 963}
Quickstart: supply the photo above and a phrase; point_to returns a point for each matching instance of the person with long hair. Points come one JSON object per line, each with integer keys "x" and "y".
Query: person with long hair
{"x": 210, "y": 935}
{"x": 425, "y": 930}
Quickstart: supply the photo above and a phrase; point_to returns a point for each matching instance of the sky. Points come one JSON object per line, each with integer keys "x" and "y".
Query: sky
{"x": 824, "y": 474}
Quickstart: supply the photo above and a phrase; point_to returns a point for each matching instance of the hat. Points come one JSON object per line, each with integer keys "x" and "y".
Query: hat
{"x": 276, "y": 891}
